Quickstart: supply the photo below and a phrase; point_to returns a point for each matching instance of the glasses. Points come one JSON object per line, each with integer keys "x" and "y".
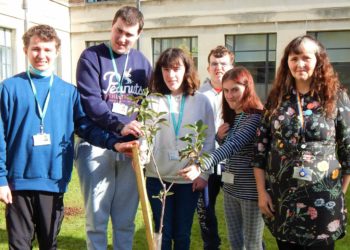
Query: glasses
{"x": 215, "y": 65}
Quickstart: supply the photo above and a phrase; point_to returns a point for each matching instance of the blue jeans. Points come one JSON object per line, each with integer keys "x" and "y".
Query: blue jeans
{"x": 206, "y": 213}
{"x": 178, "y": 215}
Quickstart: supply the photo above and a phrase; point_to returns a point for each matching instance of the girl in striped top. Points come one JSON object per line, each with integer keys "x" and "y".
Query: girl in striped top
{"x": 241, "y": 114}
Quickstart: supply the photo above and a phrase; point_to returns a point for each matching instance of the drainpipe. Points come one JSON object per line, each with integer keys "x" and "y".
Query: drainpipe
{"x": 138, "y": 5}
{"x": 25, "y": 9}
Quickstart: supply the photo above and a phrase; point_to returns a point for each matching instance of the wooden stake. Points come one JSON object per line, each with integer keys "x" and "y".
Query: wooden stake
{"x": 141, "y": 186}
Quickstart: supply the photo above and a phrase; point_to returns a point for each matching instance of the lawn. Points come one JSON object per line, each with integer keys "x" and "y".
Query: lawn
{"x": 72, "y": 235}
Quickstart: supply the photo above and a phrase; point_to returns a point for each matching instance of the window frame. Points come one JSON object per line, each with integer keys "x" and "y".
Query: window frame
{"x": 193, "y": 48}
{"x": 267, "y": 62}
{"x": 334, "y": 63}
{"x": 6, "y": 67}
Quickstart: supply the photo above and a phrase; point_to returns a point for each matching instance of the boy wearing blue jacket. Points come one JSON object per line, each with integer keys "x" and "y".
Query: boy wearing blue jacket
{"x": 39, "y": 115}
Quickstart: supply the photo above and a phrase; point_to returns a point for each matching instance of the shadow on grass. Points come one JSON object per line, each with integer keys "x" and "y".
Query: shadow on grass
{"x": 140, "y": 239}
{"x": 70, "y": 242}
{"x": 64, "y": 242}
{"x": 3, "y": 236}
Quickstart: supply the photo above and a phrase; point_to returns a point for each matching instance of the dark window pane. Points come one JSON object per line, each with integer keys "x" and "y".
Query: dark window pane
{"x": 337, "y": 44}
{"x": 188, "y": 44}
{"x": 256, "y": 52}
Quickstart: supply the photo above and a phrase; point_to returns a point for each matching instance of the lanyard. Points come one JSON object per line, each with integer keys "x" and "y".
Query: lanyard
{"x": 176, "y": 124}
{"x": 239, "y": 120}
{"x": 301, "y": 116}
{"x": 42, "y": 112}
{"x": 300, "y": 111}
{"x": 120, "y": 83}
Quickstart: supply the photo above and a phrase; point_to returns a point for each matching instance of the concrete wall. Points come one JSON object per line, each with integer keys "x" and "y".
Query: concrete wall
{"x": 211, "y": 20}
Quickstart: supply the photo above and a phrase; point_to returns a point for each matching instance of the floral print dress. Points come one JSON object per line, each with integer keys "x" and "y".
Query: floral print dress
{"x": 309, "y": 211}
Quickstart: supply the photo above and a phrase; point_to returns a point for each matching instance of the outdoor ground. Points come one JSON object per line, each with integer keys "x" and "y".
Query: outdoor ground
{"x": 72, "y": 235}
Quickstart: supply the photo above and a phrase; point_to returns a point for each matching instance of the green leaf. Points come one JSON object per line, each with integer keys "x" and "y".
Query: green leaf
{"x": 186, "y": 139}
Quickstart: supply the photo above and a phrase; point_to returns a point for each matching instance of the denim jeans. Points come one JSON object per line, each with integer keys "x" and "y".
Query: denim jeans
{"x": 178, "y": 215}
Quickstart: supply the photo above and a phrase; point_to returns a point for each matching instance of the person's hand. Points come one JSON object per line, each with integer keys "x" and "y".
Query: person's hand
{"x": 5, "y": 195}
{"x": 190, "y": 172}
{"x": 132, "y": 128}
{"x": 199, "y": 184}
{"x": 222, "y": 131}
{"x": 265, "y": 204}
{"x": 126, "y": 147}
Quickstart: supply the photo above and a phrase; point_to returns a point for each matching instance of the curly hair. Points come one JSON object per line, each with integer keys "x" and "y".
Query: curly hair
{"x": 44, "y": 32}
{"x": 220, "y": 51}
{"x": 325, "y": 82}
{"x": 250, "y": 101}
{"x": 167, "y": 59}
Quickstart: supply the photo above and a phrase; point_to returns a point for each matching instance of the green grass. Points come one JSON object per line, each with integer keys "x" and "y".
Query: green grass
{"x": 72, "y": 235}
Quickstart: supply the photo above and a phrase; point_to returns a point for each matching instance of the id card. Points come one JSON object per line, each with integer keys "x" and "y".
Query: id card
{"x": 227, "y": 177}
{"x": 120, "y": 108}
{"x": 302, "y": 173}
{"x": 174, "y": 155}
{"x": 41, "y": 139}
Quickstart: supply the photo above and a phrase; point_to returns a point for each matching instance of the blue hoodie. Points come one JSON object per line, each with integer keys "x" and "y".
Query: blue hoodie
{"x": 49, "y": 167}
{"x": 99, "y": 88}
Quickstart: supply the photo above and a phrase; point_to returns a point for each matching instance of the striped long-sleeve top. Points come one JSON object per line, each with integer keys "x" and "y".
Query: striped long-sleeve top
{"x": 238, "y": 150}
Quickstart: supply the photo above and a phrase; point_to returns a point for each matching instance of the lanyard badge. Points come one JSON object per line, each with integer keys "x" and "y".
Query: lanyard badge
{"x": 118, "y": 107}
{"x": 174, "y": 154}
{"x": 41, "y": 138}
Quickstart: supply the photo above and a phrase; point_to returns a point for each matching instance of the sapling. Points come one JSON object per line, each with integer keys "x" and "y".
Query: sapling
{"x": 150, "y": 121}
{"x": 195, "y": 140}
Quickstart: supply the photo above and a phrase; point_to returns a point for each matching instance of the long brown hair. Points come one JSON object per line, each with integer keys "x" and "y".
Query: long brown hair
{"x": 171, "y": 57}
{"x": 250, "y": 101}
{"x": 324, "y": 82}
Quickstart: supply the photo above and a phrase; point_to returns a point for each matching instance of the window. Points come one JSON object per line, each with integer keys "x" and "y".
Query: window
{"x": 5, "y": 54}
{"x": 188, "y": 44}
{"x": 92, "y": 43}
{"x": 256, "y": 52}
{"x": 337, "y": 44}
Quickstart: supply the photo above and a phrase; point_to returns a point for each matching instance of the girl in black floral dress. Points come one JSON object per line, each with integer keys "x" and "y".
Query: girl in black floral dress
{"x": 302, "y": 164}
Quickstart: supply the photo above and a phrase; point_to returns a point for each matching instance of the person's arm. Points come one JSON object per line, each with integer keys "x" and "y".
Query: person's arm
{"x": 265, "y": 202}
{"x": 85, "y": 128}
{"x": 259, "y": 164}
{"x": 343, "y": 137}
{"x": 5, "y": 192}
{"x": 88, "y": 83}
{"x": 246, "y": 134}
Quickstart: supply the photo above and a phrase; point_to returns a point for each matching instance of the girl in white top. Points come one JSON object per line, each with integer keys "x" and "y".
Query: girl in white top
{"x": 176, "y": 78}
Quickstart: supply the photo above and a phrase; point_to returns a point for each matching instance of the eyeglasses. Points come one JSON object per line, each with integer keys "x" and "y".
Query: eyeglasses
{"x": 215, "y": 65}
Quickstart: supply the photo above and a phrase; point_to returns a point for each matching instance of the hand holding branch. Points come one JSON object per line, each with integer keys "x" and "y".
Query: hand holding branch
{"x": 132, "y": 128}
{"x": 191, "y": 172}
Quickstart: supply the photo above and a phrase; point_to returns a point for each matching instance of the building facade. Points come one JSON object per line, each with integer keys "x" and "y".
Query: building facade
{"x": 257, "y": 31}
{"x": 16, "y": 16}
